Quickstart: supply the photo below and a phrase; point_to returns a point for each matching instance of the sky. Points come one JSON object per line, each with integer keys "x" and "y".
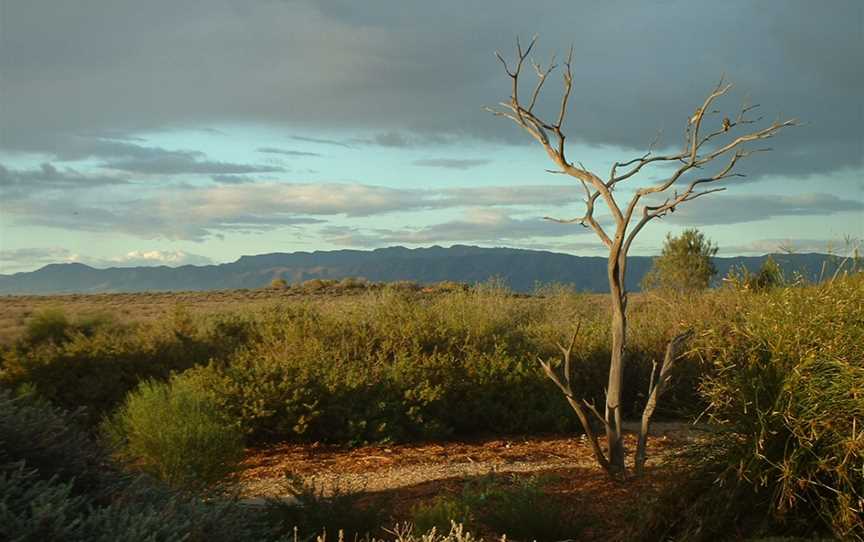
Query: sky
{"x": 173, "y": 132}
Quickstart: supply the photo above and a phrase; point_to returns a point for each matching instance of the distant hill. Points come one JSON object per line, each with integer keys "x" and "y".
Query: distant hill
{"x": 521, "y": 269}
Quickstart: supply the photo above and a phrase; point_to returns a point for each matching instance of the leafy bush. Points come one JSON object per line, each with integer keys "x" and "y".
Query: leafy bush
{"x": 770, "y": 275}
{"x": 57, "y": 484}
{"x": 279, "y": 284}
{"x": 47, "y": 510}
{"x": 95, "y": 366}
{"x": 174, "y": 431}
{"x": 786, "y": 394}
{"x": 684, "y": 265}
{"x": 49, "y": 325}
{"x": 51, "y": 442}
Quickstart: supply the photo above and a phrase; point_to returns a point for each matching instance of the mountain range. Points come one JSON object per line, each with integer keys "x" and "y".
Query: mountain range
{"x": 521, "y": 269}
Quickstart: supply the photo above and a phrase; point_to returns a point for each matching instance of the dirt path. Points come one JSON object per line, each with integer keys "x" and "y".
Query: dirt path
{"x": 386, "y": 468}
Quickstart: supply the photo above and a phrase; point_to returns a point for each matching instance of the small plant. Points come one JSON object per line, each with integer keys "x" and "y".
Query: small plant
{"x": 352, "y": 514}
{"x": 520, "y": 508}
{"x": 440, "y": 514}
{"x": 174, "y": 431}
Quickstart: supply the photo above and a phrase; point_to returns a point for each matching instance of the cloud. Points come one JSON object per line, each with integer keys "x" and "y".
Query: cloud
{"x": 421, "y": 71}
{"x": 232, "y": 179}
{"x": 19, "y": 183}
{"x": 736, "y": 209}
{"x": 181, "y": 166}
{"x": 285, "y": 152}
{"x": 124, "y": 155}
{"x": 322, "y": 141}
{"x": 840, "y": 247}
{"x": 32, "y": 258}
{"x": 197, "y": 213}
{"x": 171, "y": 258}
{"x": 12, "y": 261}
{"x": 451, "y": 163}
{"x": 478, "y": 225}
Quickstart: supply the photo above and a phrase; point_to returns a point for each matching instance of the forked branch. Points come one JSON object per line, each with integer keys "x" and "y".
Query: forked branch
{"x": 656, "y": 387}
{"x": 562, "y": 381}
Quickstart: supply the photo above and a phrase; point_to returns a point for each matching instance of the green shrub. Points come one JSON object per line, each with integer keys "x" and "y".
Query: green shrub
{"x": 174, "y": 431}
{"x": 355, "y": 515}
{"x": 49, "y": 325}
{"x": 49, "y": 510}
{"x": 786, "y": 395}
{"x": 440, "y": 514}
{"x": 52, "y": 443}
{"x": 98, "y": 368}
{"x": 57, "y": 484}
{"x": 279, "y": 284}
{"x": 521, "y": 509}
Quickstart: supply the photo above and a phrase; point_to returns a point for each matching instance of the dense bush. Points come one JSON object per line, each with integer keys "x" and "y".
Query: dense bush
{"x": 57, "y": 484}
{"x": 174, "y": 431}
{"x": 95, "y": 365}
{"x": 786, "y": 396}
{"x": 52, "y": 443}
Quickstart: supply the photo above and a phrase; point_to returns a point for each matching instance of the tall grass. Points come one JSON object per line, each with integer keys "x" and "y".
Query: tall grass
{"x": 785, "y": 394}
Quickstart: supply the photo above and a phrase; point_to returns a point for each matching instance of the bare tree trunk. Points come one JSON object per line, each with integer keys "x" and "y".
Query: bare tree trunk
{"x": 614, "y": 437}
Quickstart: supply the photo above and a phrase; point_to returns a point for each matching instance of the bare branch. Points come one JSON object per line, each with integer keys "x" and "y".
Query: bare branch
{"x": 542, "y": 130}
{"x": 541, "y": 78}
{"x": 562, "y": 381}
{"x": 655, "y": 391}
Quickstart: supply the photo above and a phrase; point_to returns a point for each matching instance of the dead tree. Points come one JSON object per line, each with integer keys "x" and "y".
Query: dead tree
{"x": 702, "y": 148}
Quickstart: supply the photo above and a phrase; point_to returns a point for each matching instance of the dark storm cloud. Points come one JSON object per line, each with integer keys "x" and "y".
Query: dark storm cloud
{"x": 424, "y": 69}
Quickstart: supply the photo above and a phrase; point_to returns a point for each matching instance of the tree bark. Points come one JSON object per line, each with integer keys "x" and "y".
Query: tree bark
{"x": 614, "y": 437}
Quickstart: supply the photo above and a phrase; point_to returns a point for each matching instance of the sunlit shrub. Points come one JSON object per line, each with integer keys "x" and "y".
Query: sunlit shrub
{"x": 174, "y": 431}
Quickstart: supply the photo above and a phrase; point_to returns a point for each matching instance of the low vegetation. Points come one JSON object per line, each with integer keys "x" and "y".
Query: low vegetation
{"x": 776, "y": 374}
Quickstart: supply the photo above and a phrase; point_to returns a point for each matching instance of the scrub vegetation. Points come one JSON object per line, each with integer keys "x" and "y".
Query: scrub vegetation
{"x": 135, "y": 426}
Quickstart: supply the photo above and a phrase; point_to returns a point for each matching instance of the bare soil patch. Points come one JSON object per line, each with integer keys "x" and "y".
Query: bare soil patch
{"x": 412, "y": 474}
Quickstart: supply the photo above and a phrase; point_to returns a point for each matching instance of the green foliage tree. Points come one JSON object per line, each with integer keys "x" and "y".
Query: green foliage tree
{"x": 684, "y": 265}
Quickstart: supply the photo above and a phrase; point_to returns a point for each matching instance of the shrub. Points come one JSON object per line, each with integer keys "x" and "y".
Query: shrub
{"x": 440, "y": 514}
{"x": 786, "y": 395}
{"x": 38, "y": 509}
{"x": 50, "y": 442}
{"x": 354, "y": 515}
{"x": 174, "y": 431}
{"x": 57, "y": 484}
{"x": 520, "y": 509}
{"x": 684, "y": 265}
{"x": 96, "y": 370}
{"x": 279, "y": 284}
{"x": 49, "y": 325}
